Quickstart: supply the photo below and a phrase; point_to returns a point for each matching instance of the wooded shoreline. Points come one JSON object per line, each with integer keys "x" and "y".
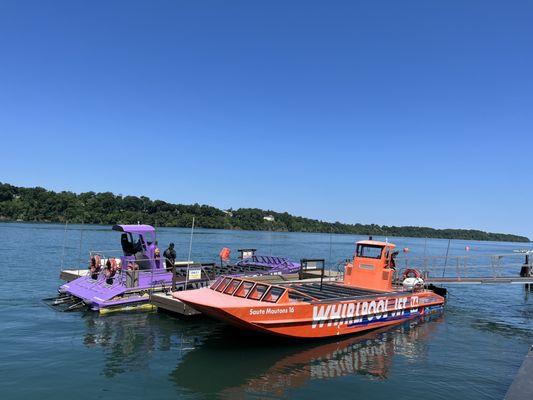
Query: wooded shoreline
{"x": 41, "y": 205}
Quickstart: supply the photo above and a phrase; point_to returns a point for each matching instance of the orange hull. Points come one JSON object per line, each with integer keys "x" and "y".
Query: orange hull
{"x": 365, "y": 300}
{"x": 316, "y": 319}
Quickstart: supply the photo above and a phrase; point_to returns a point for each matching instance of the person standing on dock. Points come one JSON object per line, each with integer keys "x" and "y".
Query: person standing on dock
{"x": 170, "y": 256}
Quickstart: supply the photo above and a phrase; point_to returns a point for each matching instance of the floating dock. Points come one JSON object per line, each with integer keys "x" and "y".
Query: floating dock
{"x": 165, "y": 302}
{"x": 482, "y": 280}
{"x": 68, "y": 275}
{"x": 522, "y": 386}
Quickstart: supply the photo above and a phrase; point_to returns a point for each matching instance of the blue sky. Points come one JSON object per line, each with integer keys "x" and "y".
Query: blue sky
{"x": 388, "y": 112}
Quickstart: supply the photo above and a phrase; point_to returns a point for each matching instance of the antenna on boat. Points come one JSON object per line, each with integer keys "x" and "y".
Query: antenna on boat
{"x": 189, "y": 256}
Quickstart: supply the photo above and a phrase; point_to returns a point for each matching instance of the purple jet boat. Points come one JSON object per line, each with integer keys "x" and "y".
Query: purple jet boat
{"x": 120, "y": 281}
{"x": 125, "y": 283}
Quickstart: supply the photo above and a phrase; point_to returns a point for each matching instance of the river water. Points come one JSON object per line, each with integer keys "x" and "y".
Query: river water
{"x": 472, "y": 351}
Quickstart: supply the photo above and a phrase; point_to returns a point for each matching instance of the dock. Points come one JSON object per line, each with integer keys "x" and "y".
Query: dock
{"x": 165, "y": 302}
{"x": 482, "y": 280}
{"x": 68, "y": 275}
{"x": 522, "y": 386}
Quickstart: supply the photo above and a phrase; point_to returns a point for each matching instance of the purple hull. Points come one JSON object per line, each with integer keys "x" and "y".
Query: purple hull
{"x": 98, "y": 294}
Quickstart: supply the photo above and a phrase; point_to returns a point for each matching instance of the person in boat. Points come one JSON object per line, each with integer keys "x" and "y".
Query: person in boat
{"x": 157, "y": 257}
{"x": 140, "y": 254}
{"x": 393, "y": 259}
{"x": 170, "y": 256}
{"x": 127, "y": 247}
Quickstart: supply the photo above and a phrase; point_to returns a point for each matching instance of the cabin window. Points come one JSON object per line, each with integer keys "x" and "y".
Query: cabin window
{"x": 232, "y": 286}
{"x": 244, "y": 289}
{"x": 223, "y": 285}
{"x": 369, "y": 251}
{"x": 257, "y": 292}
{"x": 273, "y": 294}
{"x": 149, "y": 238}
{"x": 217, "y": 282}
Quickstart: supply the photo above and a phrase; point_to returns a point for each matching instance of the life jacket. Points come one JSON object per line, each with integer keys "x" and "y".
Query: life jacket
{"x": 111, "y": 268}
{"x": 95, "y": 265}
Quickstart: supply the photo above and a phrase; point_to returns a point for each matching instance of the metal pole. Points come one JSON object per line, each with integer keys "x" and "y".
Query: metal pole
{"x": 64, "y": 244}
{"x": 189, "y": 256}
{"x": 330, "y": 244}
{"x": 446, "y": 259}
{"x": 322, "y": 276}
{"x": 173, "y": 289}
{"x": 79, "y": 254}
{"x": 270, "y": 237}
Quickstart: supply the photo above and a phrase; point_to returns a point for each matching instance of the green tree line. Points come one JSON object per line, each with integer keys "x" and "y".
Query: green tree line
{"x": 41, "y": 205}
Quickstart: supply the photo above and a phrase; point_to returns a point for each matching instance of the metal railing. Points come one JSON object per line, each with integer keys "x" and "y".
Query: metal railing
{"x": 465, "y": 266}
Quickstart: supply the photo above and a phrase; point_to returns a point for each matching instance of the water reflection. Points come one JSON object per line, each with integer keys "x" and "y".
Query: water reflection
{"x": 213, "y": 359}
{"x": 131, "y": 340}
{"x": 235, "y": 365}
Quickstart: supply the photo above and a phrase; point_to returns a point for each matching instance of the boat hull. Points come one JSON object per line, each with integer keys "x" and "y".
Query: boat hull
{"x": 315, "y": 319}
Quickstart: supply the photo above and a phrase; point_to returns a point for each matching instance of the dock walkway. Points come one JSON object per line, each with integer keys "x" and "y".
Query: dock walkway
{"x": 522, "y": 386}
{"x": 482, "y": 280}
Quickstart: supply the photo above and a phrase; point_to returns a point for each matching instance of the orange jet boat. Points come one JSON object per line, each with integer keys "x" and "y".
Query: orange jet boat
{"x": 365, "y": 299}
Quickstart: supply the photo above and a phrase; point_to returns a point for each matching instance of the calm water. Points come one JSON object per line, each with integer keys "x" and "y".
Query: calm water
{"x": 473, "y": 351}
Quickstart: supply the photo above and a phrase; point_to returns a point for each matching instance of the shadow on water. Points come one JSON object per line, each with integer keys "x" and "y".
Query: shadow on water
{"x": 232, "y": 364}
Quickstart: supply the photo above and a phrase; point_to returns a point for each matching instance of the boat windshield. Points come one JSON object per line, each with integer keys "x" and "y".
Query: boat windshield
{"x": 234, "y": 284}
{"x": 223, "y": 284}
{"x": 217, "y": 282}
{"x": 244, "y": 289}
{"x": 274, "y": 294}
{"x": 247, "y": 289}
{"x": 257, "y": 292}
{"x": 369, "y": 251}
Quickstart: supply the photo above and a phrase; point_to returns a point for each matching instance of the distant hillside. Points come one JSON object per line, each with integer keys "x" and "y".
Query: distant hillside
{"x": 38, "y": 204}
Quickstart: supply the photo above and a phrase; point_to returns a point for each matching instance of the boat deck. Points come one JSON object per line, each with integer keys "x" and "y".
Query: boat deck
{"x": 165, "y": 302}
{"x": 211, "y": 271}
{"x": 330, "y": 291}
